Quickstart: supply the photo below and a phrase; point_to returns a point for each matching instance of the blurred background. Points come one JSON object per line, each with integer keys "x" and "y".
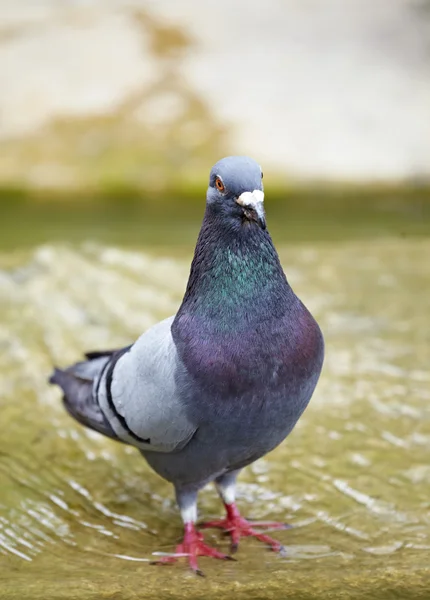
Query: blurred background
{"x": 131, "y": 102}
{"x": 112, "y": 113}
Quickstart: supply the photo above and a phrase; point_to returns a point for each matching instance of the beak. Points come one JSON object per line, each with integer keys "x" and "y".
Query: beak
{"x": 254, "y": 202}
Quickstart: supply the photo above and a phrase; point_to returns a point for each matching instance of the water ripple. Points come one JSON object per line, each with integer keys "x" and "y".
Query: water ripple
{"x": 353, "y": 479}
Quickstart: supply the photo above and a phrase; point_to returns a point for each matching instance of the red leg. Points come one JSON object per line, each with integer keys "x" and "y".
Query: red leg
{"x": 238, "y": 527}
{"x": 192, "y": 547}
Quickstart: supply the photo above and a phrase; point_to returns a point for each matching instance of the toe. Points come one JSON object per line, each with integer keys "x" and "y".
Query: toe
{"x": 270, "y": 524}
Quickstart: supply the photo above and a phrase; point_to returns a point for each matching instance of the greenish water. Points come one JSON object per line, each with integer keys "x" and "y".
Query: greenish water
{"x": 80, "y": 515}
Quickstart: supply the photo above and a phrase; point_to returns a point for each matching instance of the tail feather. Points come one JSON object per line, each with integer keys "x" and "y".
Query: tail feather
{"x": 77, "y": 383}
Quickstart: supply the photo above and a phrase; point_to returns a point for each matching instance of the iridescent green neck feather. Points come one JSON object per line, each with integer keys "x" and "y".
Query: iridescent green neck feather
{"x": 235, "y": 276}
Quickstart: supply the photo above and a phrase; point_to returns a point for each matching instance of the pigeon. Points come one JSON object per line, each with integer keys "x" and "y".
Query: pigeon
{"x": 210, "y": 390}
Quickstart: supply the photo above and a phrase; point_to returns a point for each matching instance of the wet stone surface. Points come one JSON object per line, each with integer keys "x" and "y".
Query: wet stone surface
{"x": 80, "y": 516}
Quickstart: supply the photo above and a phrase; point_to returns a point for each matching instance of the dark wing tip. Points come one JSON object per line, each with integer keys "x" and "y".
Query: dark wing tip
{"x": 99, "y": 354}
{"x": 56, "y": 376}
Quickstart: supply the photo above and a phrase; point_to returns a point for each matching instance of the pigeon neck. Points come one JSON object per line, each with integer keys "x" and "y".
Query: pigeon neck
{"x": 235, "y": 275}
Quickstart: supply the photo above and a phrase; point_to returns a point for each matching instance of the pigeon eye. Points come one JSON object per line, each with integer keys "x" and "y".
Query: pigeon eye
{"x": 261, "y": 174}
{"x": 219, "y": 185}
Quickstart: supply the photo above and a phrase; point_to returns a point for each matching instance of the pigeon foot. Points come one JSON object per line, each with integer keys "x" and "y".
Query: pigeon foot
{"x": 237, "y": 527}
{"x": 191, "y": 548}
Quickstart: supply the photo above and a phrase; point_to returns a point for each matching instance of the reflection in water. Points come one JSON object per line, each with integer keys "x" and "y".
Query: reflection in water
{"x": 353, "y": 479}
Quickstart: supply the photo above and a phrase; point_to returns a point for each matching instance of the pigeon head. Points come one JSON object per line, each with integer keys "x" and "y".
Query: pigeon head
{"x": 236, "y": 190}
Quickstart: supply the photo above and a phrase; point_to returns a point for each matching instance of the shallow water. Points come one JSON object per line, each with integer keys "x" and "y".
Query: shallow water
{"x": 80, "y": 516}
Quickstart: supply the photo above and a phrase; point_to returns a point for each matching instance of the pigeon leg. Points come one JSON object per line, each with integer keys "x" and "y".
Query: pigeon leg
{"x": 236, "y": 525}
{"x": 193, "y": 544}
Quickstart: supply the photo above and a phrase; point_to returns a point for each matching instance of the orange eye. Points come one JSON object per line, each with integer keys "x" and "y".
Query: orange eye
{"x": 219, "y": 185}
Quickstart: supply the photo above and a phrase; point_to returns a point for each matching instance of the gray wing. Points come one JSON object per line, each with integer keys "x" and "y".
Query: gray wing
{"x": 138, "y": 394}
